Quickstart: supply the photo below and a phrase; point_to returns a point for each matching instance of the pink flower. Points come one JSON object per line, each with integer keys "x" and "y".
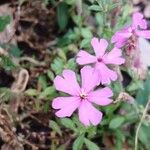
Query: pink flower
{"x": 101, "y": 59}
{"x": 81, "y": 97}
{"x": 136, "y": 29}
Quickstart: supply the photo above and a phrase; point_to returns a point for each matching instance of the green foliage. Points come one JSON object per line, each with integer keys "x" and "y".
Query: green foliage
{"x": 62, "y": 15}
{"x": 57, "y": 65}
{"x": 85, "y": 43}
{"x": 116, "y": 122}
{"x": 50, "y": 75}
{"x": 95, "y": 8}
{"x": 120, "y": 138}
{"x": 144, "y": 136}
{"x": 55, "y": 127}
{"x": 48, "y": 92}
{"x": 5, "y": 95}
{"x": 78, "y": 143}
{"x": 70, "y": 2}
{"x": 32, "y": 92}
{"x": 15, "y": 51}
{"x": 86, "y": 33}
{"x": 90, "y": 145}
{"x": 4, "y": 21}
{"x": 7, "y": 63}
{"x": 68, "y": 123}
{"x": 143, "y": 94}
{"x": 42, "y": 81}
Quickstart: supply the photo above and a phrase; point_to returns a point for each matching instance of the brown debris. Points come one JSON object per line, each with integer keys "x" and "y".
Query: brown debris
{"x": 7, "y": 133}
{"x": 21, "y": 81}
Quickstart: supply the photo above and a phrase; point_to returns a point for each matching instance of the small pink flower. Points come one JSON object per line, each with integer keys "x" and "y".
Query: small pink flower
{"x": 101, "y": 59}
{"x": 136, "y": 29}
{"x": 81, "y": 97}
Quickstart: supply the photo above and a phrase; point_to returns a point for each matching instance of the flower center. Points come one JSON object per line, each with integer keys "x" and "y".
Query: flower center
{"x": 83, "y": 95}
{"x": 131, "y": 45}
{"x": 99, "y": 59}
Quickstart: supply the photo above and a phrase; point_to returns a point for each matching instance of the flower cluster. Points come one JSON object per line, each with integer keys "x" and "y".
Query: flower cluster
{"x": 129, "y": 36}
{"x": 138, "y": 28}
{"x": 83, "y": 96}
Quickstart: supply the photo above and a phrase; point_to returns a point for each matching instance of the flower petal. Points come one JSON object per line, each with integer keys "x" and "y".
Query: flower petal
{"x": 99, "y": 46}
{"x": 101, "y": 96}
{"x": 105, "y": 74}
{"x": 120, "y": 37}
{"x": 113, "y": 57}
{"x": 120, "y": 43}
{"x": 67, "y": 105}
{"x": 139, "y": 21}
{"x": 85, "y": 58}
{"x": 89, "y": 78}
{"x": 145, "y": 34}
{"x": 88, "y": 114}
{"x": 67, "y": 83}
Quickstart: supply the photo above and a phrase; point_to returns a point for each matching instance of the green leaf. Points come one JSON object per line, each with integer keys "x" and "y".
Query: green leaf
{"x": 99, "y": 18}
{"x": 55, "y": 127}
{"x": 113, "y": 6}
{"x": 120, "y": 138}
{"x": 15, "y": 51}
{"x": 78, "y": 143}
{"x": 85, "y": 43}
{"x": 68, "y": 123}
{"x": 47, "y": 92}
{"x": 52, "y": 2}
{"x": 116, "y": 122}
{"x": 70, "y": 2}
{"x": 135, "y": 85}
{"x": 6, "y": 63}
{"x": 62, "y": 55}
{"x": 144, "y": 136}
{"x": 91, "y": 132}
{"x": 42, "y": 81}
{"x": 62, "y": 15}
{"x": 127, "y": 9}
{"x": 31, "y": 92}
{"x": 78, "y": 123}
{"x": 71, "y": 64}
{"x": 5, "y": 95}
{"x": 77, "y": 19}
{"x": 117, "y": 87}
{"x": 144, "y": 94}
{"x": 57, "y": 65}
{"x": 50, "y": 74}
{"x": 90, "y": 145}
{"x": 107, "y": 32}
{"x": 95, "y": 8}
{"x": 86, "y": 33}
{"x": 4, "y": 21}
{"x": 110, "y": 109}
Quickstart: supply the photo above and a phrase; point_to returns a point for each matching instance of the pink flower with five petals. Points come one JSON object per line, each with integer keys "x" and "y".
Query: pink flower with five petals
{"x": 81, "y": 97}
{"x": 138, "y": 28}
{"x": 101, "y": 60}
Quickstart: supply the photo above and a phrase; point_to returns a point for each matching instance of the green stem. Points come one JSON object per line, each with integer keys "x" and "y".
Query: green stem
{"x": 140, "y": 123}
